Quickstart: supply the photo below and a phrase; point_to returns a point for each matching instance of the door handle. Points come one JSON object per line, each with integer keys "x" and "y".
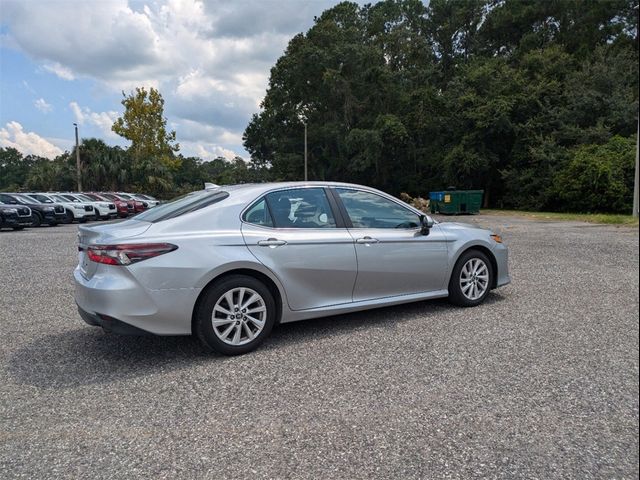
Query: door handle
{"x": 367, "y": 240}
{"x": 271, "y": 242}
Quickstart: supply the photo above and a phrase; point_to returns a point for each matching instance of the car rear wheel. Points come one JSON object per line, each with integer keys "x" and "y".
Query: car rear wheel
{"x": 235, "y": 315}
{"x": 471, "y": 279}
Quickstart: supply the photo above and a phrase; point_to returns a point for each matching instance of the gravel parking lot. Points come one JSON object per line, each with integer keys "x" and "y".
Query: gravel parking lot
{"x": 539, "y": 382}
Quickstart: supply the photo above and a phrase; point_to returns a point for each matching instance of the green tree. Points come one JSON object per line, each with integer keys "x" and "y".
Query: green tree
{"x": 598, "y": 178}
{"x": 14, "y": 169}
{"x": 144, "y": 125}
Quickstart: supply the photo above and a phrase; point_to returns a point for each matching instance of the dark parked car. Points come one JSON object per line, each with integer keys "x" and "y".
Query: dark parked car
{"x": 48, "y": 214}
{"x": 14, "y": 216}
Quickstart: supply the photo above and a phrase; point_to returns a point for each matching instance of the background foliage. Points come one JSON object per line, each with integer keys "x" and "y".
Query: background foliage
{"x": 535, "y": 102}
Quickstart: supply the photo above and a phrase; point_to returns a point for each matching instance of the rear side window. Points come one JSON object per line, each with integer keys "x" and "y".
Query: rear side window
{"x": 179, "y": 206}
{"x": 259, "y": 214}
{"x": 301, "y": 208}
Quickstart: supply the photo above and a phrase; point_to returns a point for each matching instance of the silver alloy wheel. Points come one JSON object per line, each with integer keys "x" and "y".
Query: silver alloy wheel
{"x": 239, "y": 316}
{"x": 474, "y": 278}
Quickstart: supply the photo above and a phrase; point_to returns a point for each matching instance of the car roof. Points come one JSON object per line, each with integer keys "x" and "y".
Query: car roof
{"x": 266, "y": 187}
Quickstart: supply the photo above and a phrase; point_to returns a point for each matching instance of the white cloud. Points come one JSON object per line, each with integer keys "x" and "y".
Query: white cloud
{"x": 207, "y": 151}
{"x": 102, "y": 120}
{"x": 209, "y": 59}
{"x": 29, "y": 143}
{"x": 60, "y": 71}
{"x": 43, "y": 106}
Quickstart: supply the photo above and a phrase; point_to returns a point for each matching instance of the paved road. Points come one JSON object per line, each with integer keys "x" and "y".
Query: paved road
{"x": 539, "y": 382}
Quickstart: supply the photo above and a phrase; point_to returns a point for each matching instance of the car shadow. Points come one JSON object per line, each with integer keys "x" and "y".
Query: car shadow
{"x": 87, "y": 355}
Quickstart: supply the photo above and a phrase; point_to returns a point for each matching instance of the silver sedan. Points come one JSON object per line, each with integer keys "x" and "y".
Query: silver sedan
{"x": 228, "y": 263}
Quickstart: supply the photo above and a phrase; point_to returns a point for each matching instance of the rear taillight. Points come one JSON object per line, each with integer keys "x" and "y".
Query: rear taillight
{"x": 126, "y": 254}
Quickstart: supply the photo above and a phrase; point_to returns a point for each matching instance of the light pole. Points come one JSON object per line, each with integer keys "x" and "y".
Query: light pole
{"x": 305, "y": 153}
{"x": 302, "y": 111}
{"x": 78, "y": 159}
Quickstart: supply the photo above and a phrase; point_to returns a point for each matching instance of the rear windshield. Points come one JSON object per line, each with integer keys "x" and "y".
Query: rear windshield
{"x": 179, "y": 206}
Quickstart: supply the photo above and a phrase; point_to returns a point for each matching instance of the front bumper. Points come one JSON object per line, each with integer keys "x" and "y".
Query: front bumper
{"x": 501, "y": 254}
{"x": 12, "y": 221}
{"x": 83, "y": 214}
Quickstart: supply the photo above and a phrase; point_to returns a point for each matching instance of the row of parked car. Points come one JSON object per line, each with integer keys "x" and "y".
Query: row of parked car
{"x": 33, "y": 209}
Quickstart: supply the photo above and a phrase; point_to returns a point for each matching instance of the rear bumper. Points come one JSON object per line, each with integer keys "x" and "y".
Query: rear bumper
{"x": 113, "y": 296}
{"x": 110, "y": 324}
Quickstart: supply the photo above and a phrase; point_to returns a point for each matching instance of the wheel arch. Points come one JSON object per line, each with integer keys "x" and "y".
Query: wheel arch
{"x": 250, "y": 272}
{"x": 487, "y": 251}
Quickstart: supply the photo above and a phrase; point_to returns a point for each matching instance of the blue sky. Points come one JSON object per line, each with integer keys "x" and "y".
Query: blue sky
{"x": 66, "y": 61}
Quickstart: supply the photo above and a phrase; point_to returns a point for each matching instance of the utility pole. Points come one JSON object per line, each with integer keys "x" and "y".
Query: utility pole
{"x": 305, "y": 153}
{"x": 635, "y": 183}
{"x": 78, "y": 159}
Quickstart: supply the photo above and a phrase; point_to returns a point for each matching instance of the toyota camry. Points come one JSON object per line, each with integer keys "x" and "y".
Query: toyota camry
{"x": 229, "y": 262}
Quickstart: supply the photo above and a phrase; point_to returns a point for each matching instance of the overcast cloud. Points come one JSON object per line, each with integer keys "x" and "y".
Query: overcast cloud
{"x": 210, "y": 60}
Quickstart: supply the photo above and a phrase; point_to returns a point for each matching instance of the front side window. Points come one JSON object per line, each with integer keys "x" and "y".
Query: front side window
{"x": 301, "y": 208}
{"x": 368, "y": 210}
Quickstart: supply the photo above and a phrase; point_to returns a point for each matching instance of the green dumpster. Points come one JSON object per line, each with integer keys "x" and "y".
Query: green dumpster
{"x": 455, "y": 202}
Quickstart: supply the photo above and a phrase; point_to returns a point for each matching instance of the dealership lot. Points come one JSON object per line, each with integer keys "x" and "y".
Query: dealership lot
{"x": 541, "y": 381}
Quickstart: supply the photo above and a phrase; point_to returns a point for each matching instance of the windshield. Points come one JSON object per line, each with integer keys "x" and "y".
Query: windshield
{"x": 179, "y": 206}
{"x": 93, "y": 196}
{"x": 59, "y": 198}
{"x": 109, "y": 196}
{"x": 69, "y": 198}
{"x": 126, "y": 197}
{"x": 22, "y": 200}
{"x": 85, "y": 198}
{"x": 41, "y": 198}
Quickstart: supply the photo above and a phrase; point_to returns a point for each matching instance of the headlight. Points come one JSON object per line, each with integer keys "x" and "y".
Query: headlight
{"x": 78, "y": 207}
{"x": 104, "y": 205}
{"x": 48, "y": 209}
{"x": 10, "y": 210}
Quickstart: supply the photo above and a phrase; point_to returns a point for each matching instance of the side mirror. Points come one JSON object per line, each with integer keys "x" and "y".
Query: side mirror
{"x": 426, "y": 222}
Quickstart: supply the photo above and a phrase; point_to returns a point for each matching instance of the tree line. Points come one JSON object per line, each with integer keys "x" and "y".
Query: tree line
{"x": 536, "y": 102}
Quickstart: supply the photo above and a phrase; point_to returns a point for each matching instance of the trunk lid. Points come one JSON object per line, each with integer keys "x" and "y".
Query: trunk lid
{"x": 105, "y": 234}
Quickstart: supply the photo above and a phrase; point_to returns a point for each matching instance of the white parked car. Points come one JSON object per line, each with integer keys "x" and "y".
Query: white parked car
{"x": 104, "y": 210}
{"x": 80, "y": 212}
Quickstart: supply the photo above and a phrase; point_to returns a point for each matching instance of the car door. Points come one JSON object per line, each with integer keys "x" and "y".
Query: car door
{"x": 394, "y": 257}
{"x": 299, "y": 236}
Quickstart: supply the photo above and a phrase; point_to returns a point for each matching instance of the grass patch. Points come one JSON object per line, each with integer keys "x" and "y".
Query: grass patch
{"x": 605, "y": 218}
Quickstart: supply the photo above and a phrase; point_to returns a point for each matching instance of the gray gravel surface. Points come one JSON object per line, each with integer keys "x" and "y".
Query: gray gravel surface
{"x": 539, "y": 382}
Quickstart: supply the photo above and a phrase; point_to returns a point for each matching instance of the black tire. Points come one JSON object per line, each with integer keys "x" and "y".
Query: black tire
{"x": 203, "y": 326}
{"x": 456, "y": 295}
{"x": 36, "y": 220}
{"x": 18, "y": 228}
{"x": 68, "y": 217}
{"x": 82, "y": 220}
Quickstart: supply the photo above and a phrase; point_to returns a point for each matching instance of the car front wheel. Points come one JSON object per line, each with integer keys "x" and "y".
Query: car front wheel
{"x": 471, "y": 279}
{"x": 235, "y": 315}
